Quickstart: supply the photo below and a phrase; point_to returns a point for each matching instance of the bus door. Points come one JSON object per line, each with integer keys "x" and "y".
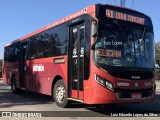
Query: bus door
{"x": 22, "y": 65}
{"x": 76, "y": 61}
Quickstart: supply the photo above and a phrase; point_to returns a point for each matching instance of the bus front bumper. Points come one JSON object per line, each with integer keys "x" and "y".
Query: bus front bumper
{"x": 102, "y": 95}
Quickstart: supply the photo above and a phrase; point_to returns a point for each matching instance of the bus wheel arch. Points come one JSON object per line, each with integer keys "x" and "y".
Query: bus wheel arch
{"x": 55, "y": 79}
{"x": 59, "y": 92}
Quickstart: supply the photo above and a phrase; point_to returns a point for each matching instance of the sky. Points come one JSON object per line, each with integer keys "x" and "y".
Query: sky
{"x": 21, "y": 17}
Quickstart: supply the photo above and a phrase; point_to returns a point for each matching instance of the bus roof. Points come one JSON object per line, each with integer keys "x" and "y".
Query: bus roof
{"x": 88, "y": 10}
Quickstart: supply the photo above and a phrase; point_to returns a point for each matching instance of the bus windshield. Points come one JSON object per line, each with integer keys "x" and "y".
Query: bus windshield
{"x": 129, "y": 46}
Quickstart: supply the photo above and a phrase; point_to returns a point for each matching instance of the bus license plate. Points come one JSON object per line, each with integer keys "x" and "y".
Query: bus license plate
{"x": 136, "y": 95}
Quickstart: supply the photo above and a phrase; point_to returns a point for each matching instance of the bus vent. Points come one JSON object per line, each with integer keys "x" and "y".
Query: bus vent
{"x": 133, "y": 75}
{"x": 127, "y": 95}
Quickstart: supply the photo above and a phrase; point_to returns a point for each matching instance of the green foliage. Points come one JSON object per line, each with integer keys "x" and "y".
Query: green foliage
{"x": 157, "y": 53}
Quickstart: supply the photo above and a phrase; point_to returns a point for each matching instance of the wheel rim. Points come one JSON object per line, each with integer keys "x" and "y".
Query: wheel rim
{"x": 60, "y": 93}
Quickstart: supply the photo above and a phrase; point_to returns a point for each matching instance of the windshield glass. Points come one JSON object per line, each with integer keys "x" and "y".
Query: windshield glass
{"x": 125, "y": 46}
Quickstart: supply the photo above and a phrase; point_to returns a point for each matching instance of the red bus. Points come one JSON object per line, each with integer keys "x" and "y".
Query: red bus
{"x": 99, "y": 55}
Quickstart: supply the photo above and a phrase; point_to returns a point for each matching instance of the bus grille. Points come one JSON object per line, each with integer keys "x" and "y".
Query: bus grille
{"x": 126, "y": 94}
{"x": 133, "y": 75}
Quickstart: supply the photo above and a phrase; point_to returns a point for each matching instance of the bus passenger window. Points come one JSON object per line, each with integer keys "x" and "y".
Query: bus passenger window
{"x": 32, "y": 48}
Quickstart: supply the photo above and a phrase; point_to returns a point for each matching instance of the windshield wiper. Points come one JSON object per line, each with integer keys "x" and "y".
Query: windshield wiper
{"x": 140, "y": 40}
{"x": 143, "y": 33}
{"x": 124, "y": 34}
{"x": 94, "y": 44}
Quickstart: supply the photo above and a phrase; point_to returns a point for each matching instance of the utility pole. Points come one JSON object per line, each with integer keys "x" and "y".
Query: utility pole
{"x": 123, "y": 3}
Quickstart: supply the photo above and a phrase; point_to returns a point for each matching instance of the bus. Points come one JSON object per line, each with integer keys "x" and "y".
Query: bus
{"x": 101, "y": 54}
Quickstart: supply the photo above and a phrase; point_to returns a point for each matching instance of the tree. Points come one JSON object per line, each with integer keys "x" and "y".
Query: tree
{"x": 157, "y": 53}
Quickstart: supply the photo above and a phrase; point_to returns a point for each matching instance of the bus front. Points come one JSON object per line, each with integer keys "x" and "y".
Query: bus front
{"x": 123, "y": 55}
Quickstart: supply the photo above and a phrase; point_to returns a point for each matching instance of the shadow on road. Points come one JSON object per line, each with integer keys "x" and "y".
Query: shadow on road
{"x": 7, "y": 99}
{"x": 140, "y": 108}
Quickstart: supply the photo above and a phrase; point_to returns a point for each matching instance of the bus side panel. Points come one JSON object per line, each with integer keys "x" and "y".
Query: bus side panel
{"x": 10, "y": 69}
{"x": 4, "y": 74}
{"x": 88, "y": 83}
{"x": 41, "y": 72}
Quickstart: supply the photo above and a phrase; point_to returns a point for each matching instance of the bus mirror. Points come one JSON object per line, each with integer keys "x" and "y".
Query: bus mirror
{"x": 94, "y": 44}
{"x": 94, "y": 29}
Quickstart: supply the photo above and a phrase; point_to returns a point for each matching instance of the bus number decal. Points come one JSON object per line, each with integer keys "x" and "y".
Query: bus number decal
{"x": 124, "y": 16}
{"x": 109, "y": 53}
{"x": 38, "y": 67}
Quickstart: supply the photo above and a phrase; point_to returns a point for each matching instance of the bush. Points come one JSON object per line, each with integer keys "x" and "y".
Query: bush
{"x": 157, "y": 74}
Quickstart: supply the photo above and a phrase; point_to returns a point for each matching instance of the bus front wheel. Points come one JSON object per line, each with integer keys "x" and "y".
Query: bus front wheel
{"x": 60, "y": 94}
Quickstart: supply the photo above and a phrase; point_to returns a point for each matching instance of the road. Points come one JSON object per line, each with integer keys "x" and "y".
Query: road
{"x": 42, "y": 104}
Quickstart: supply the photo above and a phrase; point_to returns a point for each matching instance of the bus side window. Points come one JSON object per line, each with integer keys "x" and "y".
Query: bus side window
{"x": 43, "y": 43}
{"x": 6, "y": 54}
{"x": 25, "y": 52}
{"x": 17, "y": 52}
{"x": 32, "y": 48}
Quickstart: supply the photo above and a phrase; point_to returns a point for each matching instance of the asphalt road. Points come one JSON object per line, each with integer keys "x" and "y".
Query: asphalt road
{"x": 43, "y": 106}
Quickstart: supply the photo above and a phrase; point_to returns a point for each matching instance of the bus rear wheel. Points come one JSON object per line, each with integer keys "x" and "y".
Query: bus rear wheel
{"x": 13, "y": 85}
{"x": 60, "y": 94}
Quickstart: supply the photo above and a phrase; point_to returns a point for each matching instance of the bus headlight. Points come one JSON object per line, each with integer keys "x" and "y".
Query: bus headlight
{"x": 109, "y": 85}
{"x": 103, "y": 82}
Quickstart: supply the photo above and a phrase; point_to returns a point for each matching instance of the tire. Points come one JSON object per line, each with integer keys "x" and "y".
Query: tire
{"x": 60, "y": 94}
{"x": 13, "y": 85}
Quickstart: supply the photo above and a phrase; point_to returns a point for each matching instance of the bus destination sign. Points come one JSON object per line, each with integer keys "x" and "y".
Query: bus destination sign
{"x": 124, "y": 16}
